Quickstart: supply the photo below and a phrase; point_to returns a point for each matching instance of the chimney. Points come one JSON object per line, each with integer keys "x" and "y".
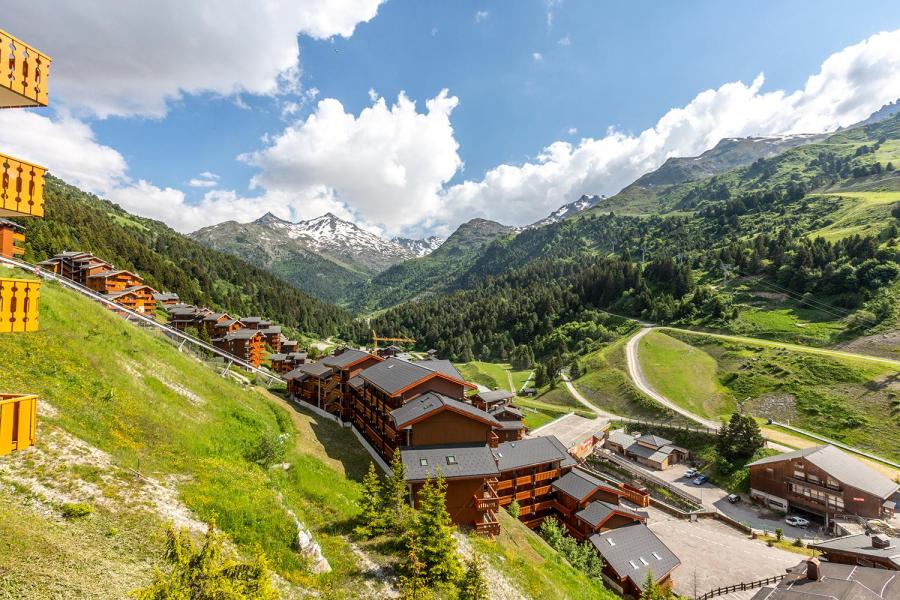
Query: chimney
{"x": 881, "y": 541}
{"x": 813, "y": 569}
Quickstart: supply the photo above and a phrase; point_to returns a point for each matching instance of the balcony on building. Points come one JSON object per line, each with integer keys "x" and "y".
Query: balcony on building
{"x": 18, "y": 421}
{"x": 19, "y": 305}
{"x": 21, "y": 188}
{"x": 24, "y": 74}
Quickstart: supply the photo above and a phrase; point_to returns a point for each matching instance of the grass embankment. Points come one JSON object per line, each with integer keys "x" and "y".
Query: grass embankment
{"x": 861, "y": 213}
{"x": 605, "y": 383}
{"x": 684, "y": 374}
{"x": 149, "y": 408}
{"x": 856, "y": 401}
{"x": 538, "y": 570}
{"x": 494, "y": 375}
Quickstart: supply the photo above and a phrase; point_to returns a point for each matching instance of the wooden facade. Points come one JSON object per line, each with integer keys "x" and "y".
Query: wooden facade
{"x": 12, "y": 239}
{"x": 18, "y": 422}
{"x": 345, "y": 364}
{"x": 822, "y": 481}
{"x": 243, "y": 344}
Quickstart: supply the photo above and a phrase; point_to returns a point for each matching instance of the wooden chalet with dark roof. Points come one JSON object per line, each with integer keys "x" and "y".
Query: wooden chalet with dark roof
{"x": 245, "y": 344}
{"x": 76, "y": 266}
{"x": 286, "y": 362}
{"x": 307, "y": 383}
{"x": 12, "y": 239}
{"x": 629, "y": 553}
{"x": 499, "y": 404}
{"x": 166, "y": 298}
{"x": 346, "y": 363}
{"x": 273, "y": 337}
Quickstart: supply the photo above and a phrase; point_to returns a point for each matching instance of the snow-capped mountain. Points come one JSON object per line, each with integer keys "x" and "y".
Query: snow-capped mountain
{"x": 567, "y": 210}
{"x": 422, "y": 247}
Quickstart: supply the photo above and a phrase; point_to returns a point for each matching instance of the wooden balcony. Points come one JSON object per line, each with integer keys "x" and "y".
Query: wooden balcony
{"x": 21, "y": 188}
{"x": 547, "y": 475}
{"x": 488, "y": 500}
{"x": 24, "y": 74}
{"x": 488, "y": 525}
{"x": 19, "y": 305}
{"x": 18, "y": 421}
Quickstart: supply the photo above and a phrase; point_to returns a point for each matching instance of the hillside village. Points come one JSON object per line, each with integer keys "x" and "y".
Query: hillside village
{"x": 325, "y": 466}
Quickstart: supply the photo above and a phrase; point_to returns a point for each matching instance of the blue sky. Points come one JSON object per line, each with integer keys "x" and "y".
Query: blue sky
{"x": 523, "y": 74}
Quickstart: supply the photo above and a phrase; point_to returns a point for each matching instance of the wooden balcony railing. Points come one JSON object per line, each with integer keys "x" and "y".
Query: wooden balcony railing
{"x": 19, "y": 305}
{"x": 21, "y": 188}
{"x": 24, "y": 74}
{"x": 547, "y": 475}
{"x": 18, "y": 421}
{"x": 488, "y": 525}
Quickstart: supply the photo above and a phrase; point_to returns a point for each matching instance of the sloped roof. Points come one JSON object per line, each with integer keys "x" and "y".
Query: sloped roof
{"x": 303, "y": 371}
{"x": 578, "y": 484}
{"x": 618, "y": 436}
{"x": 634, "y": 550}
{"x": 836, "y": 582}
{"x": 492, "y": 396}
{"x": 433, "y": 402}
{"x": 346, "y": 358}
{"x": 841, "y": 466}
{"x": 241, "y": 334}
{"x": 453, "y": 462}
{"x": 861, "y": 544}
{"x": 277, "y": 356}
{"x": 532, "y": 451}
{"x": 393, "y": 375}
{"x": 598, "y": 511}
{"x": 654, "y": 440}
{"x": 441, "y": 366}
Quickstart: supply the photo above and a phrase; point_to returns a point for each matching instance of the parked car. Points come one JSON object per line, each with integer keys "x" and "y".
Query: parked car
{"x": 734, "y": 498}
{"x": 701, "y": 480}
{"x": 690, "y": 473}
{"x": 796, "y": 521}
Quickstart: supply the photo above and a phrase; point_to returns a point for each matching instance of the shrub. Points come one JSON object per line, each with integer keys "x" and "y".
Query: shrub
{"x": 268, "y": 450}
{"x": 779, "y": 534}
{"x": 514, "y": 509}
{"x": 76, "y": 510}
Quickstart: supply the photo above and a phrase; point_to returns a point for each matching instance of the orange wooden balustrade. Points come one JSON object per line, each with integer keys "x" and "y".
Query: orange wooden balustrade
{"x": 19, "y": 305}
{"x": 21, "y": 188}
{"x": 18, "y": 421}
{"x": 24, "y": 74}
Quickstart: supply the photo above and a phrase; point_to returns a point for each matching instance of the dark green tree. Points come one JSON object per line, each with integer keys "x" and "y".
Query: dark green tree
{"x": 395, "y": 510}
{"x": 371, "y": 503}
{"x": 740, "y": 438}
{"x": 433, "y": 529}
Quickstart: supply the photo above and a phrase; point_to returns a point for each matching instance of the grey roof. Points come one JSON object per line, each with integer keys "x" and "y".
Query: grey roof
{"x": 442, "y": 366}
{"x": 836, "y": 582}
{"x": 618, "y": 436}
{"x": 163, "y": 296}
{"x": 842, "y": 467}
{"x": 356, "y": 382}
{"x": 297, "y": 355}
{"x": 240, "y": 334}
{"x": 578, "y": 484}
{"x": 277, "y": 356}
{"x": 634, "y": 550}
{"x": 215, "y": 316}
{"x": 252, "y": 319}
{"x": 13, "y": 225}
{"x": 861, "y": 544}
{"x": 128, "y": 290}
{"x": 597, "y": 511}
{"x": 345, "y": 358}
{"x": 654, "y": 440}
{"x": 317, "y": 370}
{"x": 433, "y": 402}
{"x": 227, "y": 322}
{"x": 454, "y": 461}
{"x": 272, "y": 330}
{"x": 106, "y": 274}
{"x": 532, "y": 451}
{"x": 513, "y": 412}
{"x": 393, "y": 374}
{"x": 492, "y": 396}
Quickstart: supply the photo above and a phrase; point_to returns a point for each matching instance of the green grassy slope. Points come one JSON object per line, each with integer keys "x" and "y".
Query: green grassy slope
{"x": 150, "y": 409}
{"x": 536, "y": 568}
{"x": 684, "y": 374}
{"x": 850, "y": 400}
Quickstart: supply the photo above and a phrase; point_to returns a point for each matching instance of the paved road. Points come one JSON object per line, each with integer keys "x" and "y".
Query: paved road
{"x": 793, "y": 347}
{"x": 587, "y": 404}
{"x": 637, "y": 376}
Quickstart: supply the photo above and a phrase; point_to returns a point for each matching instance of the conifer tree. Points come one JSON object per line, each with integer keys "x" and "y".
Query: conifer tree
{"x": 370, "y": 517}
{"x": 207, "y": 572}
{"x": 473, "y": 585}
{"x": 653, "y": 591}
{"x": 395, "y": 510}
{"x": 412, "y": 582}
{"x": 433, "y": 531}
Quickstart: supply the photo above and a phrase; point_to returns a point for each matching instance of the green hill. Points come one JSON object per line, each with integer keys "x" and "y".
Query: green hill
{"x": 144, "y": 434}
{"x": 170, "y": 261}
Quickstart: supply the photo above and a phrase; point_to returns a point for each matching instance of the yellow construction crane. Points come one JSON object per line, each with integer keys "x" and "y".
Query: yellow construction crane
{"x": 376, "y": 339}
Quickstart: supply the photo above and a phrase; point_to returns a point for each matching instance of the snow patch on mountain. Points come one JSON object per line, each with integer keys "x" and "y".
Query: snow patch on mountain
{"x": 567, "y": 210}
{"x": 422, "y": 247}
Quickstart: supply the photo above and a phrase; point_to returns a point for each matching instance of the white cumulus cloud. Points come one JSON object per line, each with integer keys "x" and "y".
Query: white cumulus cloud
{"x": 134, "y": 58}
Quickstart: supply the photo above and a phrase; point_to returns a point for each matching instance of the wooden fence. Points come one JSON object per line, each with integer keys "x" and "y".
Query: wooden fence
{"x": 739, "y": 587}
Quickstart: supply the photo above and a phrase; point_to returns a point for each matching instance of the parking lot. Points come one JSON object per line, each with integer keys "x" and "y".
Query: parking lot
{"x": 714, "y": 555}
{"x": 715, "y": 498}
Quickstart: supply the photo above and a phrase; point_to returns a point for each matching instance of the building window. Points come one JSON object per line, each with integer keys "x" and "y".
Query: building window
{"x": 451, "y": 460}
{"x": 835, "y": 502}
{"x": 833, "y": 483}
{"x": 423, "y": 462}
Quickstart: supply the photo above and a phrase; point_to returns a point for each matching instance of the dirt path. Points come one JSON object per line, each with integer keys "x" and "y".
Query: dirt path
{"x": 584, "y": 401}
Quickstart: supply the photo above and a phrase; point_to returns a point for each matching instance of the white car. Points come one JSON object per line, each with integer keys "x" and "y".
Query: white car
{"x": 796, "y": 521}
{"x": 690, "y": 473}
